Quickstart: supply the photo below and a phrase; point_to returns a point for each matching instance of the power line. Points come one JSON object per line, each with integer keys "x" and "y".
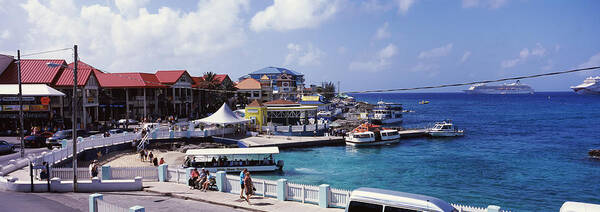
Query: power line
{"x": 478, "y": 82}
{"x": 45, "y": 52}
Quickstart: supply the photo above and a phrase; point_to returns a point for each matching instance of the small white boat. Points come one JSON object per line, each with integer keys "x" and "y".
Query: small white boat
{"x": 368, "y": 135}
{"x": 444, "y": 129}
{"x": 255, "y": 159}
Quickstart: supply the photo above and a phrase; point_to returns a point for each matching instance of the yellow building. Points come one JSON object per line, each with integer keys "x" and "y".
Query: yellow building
{"x": 257, "y": 113}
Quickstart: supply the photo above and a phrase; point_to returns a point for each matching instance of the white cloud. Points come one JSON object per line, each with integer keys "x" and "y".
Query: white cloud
{"x": 492, "y": 4}
{"x": 436, "y": 52}
{"x": 5, "y": 35}
{"x": 425, "y": 67}
{"x": 383, "y": 32}
{"x": 291, "y": 14}
{"x": 465, "y": 56}
{"x": 592, "y": 62}
{"x": 130, "y": 8}
{"x": 404, "y": 5}
{"x": 379, "y": 62}
{"x": 538, "y": 51}
{"x": 137, "y": 41}
{"x": 303, "y": 56}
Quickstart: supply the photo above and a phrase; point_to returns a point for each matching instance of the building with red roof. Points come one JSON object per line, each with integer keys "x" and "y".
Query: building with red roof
{"x": 250, "y": 88}
{"x": 33, "y": 71}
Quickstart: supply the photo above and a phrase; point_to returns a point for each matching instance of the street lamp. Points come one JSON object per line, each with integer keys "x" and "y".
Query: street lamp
{"x": 20, "y": 103}
{"x": 73, "y": 115}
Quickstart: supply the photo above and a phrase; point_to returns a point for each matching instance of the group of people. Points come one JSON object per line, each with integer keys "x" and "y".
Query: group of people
{"x": 246, "y": 185}
{"x": 146, "y": 155}
{"x": 200, "y": 179}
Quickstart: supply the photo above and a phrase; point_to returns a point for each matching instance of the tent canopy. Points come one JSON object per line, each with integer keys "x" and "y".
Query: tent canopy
{"x": 223, "y": 116}
{"x": 29, "y": 90}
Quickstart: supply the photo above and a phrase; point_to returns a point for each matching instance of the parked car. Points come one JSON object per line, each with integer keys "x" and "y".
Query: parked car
{"x": 6, "y": 147}
{"x": 124, "y": 121}
{"x": 37, "y": 140}
{"x": 64, "y": 134}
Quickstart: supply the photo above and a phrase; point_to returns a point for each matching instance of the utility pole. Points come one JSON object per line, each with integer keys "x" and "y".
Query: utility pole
{"x": 74, "y": 121}
{"x": 338, "y": 87}
{"x": 20, "y": 104}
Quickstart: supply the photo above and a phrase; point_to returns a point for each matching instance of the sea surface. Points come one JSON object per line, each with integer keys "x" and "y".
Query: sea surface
{"x": 520, "y": 152}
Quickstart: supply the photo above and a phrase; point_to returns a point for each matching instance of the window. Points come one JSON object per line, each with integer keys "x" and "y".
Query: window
{"x": 355, "y": 206}
{"x": 394, "y": 209}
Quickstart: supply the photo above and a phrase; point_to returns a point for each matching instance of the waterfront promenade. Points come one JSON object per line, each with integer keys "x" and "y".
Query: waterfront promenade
{"x": 258, "y": 203}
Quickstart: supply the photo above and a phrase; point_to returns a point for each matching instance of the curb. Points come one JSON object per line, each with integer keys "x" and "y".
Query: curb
{"x": 179, "y": 196}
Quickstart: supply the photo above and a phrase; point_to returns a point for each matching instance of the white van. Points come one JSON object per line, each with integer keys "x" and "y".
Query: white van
{"x": 380, "y": 200}
{"x": 579, "y": 207}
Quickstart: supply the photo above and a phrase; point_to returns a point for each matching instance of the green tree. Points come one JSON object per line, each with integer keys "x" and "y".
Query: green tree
{"x": 327, "y": 90}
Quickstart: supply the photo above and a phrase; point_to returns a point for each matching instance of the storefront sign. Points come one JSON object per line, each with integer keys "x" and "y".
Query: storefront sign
{"x": 38, "y": 107}
{"x": 45, "y": 100}
{"x": 16, "y": 99}
{"x": 14, "y": 108}
{"x": 91, "y": 100}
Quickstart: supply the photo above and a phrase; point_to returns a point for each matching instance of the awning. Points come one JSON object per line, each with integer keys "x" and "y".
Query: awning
{"x": 29, "y": 90}
{"x": 234, "y": 151}
{"x": 223, "y": 116}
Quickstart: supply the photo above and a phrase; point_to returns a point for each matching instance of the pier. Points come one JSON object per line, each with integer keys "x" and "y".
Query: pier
{"x": 291, "y": 141}
{"x": 413, "y": 133}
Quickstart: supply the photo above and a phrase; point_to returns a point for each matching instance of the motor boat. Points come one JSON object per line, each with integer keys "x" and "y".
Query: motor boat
{"x": 444, "y": 129}
{"x": 369, "y": 134}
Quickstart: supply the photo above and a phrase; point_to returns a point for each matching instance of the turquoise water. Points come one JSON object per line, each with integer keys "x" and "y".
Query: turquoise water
{"x": 522, "y": 152}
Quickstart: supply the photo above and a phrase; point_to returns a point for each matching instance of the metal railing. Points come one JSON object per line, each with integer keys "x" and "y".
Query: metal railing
{"x": 104, "y": 206}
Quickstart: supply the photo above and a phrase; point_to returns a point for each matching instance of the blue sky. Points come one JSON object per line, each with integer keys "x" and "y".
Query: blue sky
{"x": 363, "y": 44}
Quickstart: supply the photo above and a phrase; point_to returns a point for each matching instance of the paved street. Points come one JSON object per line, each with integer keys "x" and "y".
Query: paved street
{"x": 66, "y": 202}
{"x": 4, "y": 158}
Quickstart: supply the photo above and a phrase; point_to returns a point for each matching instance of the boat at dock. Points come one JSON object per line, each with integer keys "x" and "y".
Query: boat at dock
{"x": 255, "y": 159}
{"x": 444, "y": 129}
{"x": 590, "y": 85}
{"x": 369, "y": 134}
{"x": 512, "y": 88}
{"x": 387, "y": 113}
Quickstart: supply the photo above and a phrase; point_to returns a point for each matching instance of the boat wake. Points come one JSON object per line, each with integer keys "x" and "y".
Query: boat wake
{"x": 307, "y": 171}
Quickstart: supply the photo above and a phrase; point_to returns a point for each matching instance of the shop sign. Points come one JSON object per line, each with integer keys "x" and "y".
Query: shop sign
{"x": 14, "y": 107}
{"x": 252, "y": 110}
{"x": 91, "y": 100}
{"x": 38, "y": 107}
{"x": 45, "y": 100}
{"x": 16, "y": 99}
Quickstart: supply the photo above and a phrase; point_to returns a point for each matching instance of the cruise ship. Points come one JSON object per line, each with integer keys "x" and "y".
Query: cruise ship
{"x": 590, "y": 85}
{"x": 512, "y": 88}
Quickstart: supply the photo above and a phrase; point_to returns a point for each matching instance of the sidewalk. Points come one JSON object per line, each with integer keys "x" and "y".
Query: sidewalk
{"x": 259, "y": 203}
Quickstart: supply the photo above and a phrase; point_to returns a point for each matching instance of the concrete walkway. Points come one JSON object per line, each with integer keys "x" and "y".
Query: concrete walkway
{"x": 259, "y": 203}
{"x": 291, "y": 141}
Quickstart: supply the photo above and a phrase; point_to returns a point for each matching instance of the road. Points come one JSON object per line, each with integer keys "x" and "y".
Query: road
{"x": 66, "y": 202}
{"x": 4, "y": 158}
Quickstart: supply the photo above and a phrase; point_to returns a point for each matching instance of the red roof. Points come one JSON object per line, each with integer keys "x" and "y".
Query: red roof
{"x": 81, "y": 65}
{"x": 33, "y": 71}
{"x": 248, "y": 84}
{"x": 127, "y": 80}
{"x": 255, "y": 103}
{"x": 281, "y": 102}
{"x": 197, "y": 82}
{"x": 66, "y": 78}
{"x": 169, "y": 77}
{"x": 220, "y": 77}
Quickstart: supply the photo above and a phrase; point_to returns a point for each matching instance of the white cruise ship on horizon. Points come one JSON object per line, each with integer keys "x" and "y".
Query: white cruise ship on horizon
{"x": 512, "y": 88}
{"x": 590, "y": 85}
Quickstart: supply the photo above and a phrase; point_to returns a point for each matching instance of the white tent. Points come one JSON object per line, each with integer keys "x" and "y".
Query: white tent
{"x": 29, "y": 90}
{"x": 223, "y": 116}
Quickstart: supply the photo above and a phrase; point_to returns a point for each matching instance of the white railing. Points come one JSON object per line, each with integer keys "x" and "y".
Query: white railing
{"x": 270, "y": 188}
{"x": 303, "y": 193}
{"x": 340, "y": 197}
{"x": 233, "y": 184}
{"x": 67, "y": 173}
{"x": 147, "y": 173}
{"x": 295, "y": 128}
{"x": 104, "y": 206}
{"x": 177, "y": 175}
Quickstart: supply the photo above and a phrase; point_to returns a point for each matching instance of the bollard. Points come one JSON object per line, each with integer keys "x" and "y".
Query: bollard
{"x": 493, "y": 208}
{"x": 282, "y": 189}
{"x": 54, "y": 184}
{"x": 324, "y": 195}
{"x": 221, "y": 180}
{"x": 163, "y": 173}
{"x": 106, "y": 172}
{"x": 137, "y": 208}
{"x": 93, "y": 204}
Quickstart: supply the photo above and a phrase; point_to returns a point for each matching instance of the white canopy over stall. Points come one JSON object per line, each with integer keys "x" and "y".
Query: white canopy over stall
{"x": 29, "y": 90}
{"x": 223, "y": 116}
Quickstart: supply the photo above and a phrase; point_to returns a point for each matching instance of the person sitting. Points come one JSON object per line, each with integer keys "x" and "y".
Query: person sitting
{"x": 206, "y": 182}
{"x": 162, "y": 161}
{"x": 202, "y": 177}
{"x": 193, "y": 179}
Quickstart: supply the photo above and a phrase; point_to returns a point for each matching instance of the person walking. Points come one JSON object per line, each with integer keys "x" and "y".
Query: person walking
{"x": 142, "y": 155}
{"x": 249, "y": 188}
{"x": 242, "y": 176}
{"x": 150, "y": 156}
{"x": 162, "y": 161}
{"x": 93, "y": 169}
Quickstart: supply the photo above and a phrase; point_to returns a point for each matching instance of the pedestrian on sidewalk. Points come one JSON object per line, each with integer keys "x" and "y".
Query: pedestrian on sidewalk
{"x": 142, "y": 155}
{"x": 162, "y": 161}
{"x": 150, "y": 156}
{"x": 155, "y": 161}
{"x": 242, "y": 176}
{"x": 249, "y": 188}
{"x": 93, "y": 169}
